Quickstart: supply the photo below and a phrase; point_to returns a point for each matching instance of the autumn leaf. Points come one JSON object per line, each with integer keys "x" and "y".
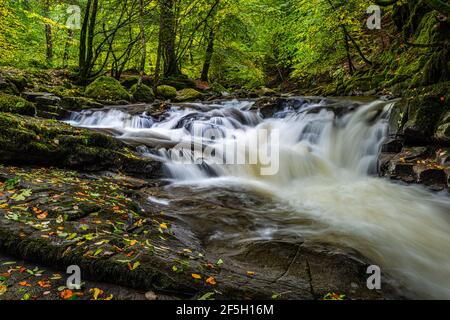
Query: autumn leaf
{"x": 163, "y": 226}
{"x": 196, "y": 276}
{"x": 24, "y": 284}
{"x": 96, "y": 292}
{"x": 251, "y": 273}
{"x": 134, "y": 266}
{"x": 44, "y": 284}
{"x": 66, "y": 294}
{"x": 3, "y": 289}
{"x": 211, "y": 280}
{"x": 42, "y": 216}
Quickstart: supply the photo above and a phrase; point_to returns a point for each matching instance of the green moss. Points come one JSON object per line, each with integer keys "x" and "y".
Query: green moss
{"x": 188, "y": 95}
{"x": 218, "y": 88}
{"x": 166, "y": 92}
{"x": 129, "y": 82}
{"x": 142, "y": 93}
{"x": 107, "y": 89}
{"x": 14, "y": 104}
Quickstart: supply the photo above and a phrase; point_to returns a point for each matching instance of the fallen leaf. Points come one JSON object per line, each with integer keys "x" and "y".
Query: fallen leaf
{"x": 96, "y": 292}
{"x": 251, "y": 273}
{"x": 134, "y": 266}
{"x": 196, "y": 276}
{"x": 151, "y": 296}
{"x": 24, "y": 284}
{"x": 211, "y": 280}
{"x": 66, "y": 294}
{"x": 44, "y": 284}
{"x": 3, "y": 289}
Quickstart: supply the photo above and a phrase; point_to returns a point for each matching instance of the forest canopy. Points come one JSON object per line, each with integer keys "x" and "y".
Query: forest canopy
{"x": 238, "y": 43}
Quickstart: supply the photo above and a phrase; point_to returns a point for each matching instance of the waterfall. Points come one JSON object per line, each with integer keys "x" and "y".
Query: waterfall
{"x": 321, "y": 156}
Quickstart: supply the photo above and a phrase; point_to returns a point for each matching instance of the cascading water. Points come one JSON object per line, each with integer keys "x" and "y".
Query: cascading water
{"x": 324, "y": 156}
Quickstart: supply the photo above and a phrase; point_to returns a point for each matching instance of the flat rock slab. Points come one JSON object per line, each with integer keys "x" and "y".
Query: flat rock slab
{"x": 106, "y": 225}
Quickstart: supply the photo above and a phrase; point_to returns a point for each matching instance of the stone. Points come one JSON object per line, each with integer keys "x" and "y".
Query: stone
{"x": 166, "y": 92}
{"x": 392, "y": 146}
{"x": 142, "y": 93}
{"x": 107, "y": 89}
{"x": 188, "y": 95}
{"x": 15, "y": 104}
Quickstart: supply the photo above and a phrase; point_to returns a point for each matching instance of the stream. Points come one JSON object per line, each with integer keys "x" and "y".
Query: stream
{"x": 306, "y": 173}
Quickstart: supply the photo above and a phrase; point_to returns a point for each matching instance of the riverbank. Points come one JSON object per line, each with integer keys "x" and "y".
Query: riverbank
{"x": 76, "y": 196}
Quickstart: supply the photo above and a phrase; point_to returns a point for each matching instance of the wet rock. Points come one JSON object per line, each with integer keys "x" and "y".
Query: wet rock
{"x": 443, "y": 129}
{"x": 33, "y": 96}
{"x": 432, "y": 177}
{"x": 422, "y": 118}
{"x": 268, "y": 106}
{"x": 34, "y": 141}
{"x": 47, "y": 100}
{"x": 392, "y": 146}
{"x": 79, "y": 103}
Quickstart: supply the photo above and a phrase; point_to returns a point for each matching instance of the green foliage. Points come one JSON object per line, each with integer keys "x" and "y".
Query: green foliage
{"x": 106, "y": 89}
{"x": 166, "y": 92}
{"x": 14, "y": 104}
{"x": 142, "y": 93}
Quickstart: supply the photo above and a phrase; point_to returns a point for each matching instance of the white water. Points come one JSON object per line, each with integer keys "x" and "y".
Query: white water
{"x": 325, "y": 163}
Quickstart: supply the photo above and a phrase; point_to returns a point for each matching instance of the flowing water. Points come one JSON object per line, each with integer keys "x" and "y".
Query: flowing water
{"x": 309, "y": 171}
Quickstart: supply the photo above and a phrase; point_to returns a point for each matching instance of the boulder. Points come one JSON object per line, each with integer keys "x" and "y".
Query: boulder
{"x": 188, "y": 95}
{"x": 79, "y": 103}
{"x": 443, "y": 129}
{"x": 8, "y": 87}
{"x": 15, "y": 104}
{"x": 106, "y": 89}
{"x": 166, "y": 92}
{"x": 422, "y": 118}
{"x": 34, "y": 141}
{"x": 142, "y": 93}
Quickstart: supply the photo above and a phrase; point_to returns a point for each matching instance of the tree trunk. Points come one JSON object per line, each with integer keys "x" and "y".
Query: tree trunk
{"x": 48, "y": 35}
{"x": 167, "y": 37}
{"x": 87, "y": 40}
{"x": 66, "y": 56}
{"x": 208, "y": 56}
{"x": 143, "y": 40}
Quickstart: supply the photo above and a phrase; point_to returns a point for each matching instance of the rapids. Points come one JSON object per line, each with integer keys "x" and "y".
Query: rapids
{"x": 315, "y": 161}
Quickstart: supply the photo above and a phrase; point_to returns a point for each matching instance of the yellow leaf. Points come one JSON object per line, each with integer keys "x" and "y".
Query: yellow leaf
{"x": 96, "y": 292}
{"x": 196, "y": 276}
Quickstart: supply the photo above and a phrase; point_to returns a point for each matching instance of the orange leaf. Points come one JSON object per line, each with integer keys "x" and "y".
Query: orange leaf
{"x": 66, "y": 294}
{"x": 196, "y": 276}
{"x": 251, "y": 273}
{"x": 42, "y": 216}
{"x": 44, "y": 284}
{"x": 24, "y": 284}
{"x": 211, "y": 280}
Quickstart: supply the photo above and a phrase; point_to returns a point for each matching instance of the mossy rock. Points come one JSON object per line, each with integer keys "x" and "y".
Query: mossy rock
{"x": 34, "y": 141}
{"x": 79, "y": 103}
{"x": 443, "y": 129}
{"x": 218, "y": 88}
{"x": 20, "y": 81}
{"x": 107, "y": 89}
{"x": 166, "y": 92}
{"x": 142, "y": 93}
{"x": 422, "y": 118}
{"x": 180, "y": 82}
{"x": 129, "y": 82}
{"x": 8, "y": 87}
{"x": 188, "y": 95}
{"x": 14, "y": 104}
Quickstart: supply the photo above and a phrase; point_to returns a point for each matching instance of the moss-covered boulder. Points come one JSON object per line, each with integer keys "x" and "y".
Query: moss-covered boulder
{"x": 422, "y": 118}
{"x": 34, "y": 141}
{"x": 142, "y": 93}
{"x": 79, "y": 103}
{"x": 107, "y": 89}
{"x": 443, "y": 129}
{"x": 166, "y": 92}
{"x": 8, "y": 87}
{"x": 14, "y": 104}
{"x": 130, "y": 81}
{"x": 188, "y": 95}
{"x": 218, "y": 88}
